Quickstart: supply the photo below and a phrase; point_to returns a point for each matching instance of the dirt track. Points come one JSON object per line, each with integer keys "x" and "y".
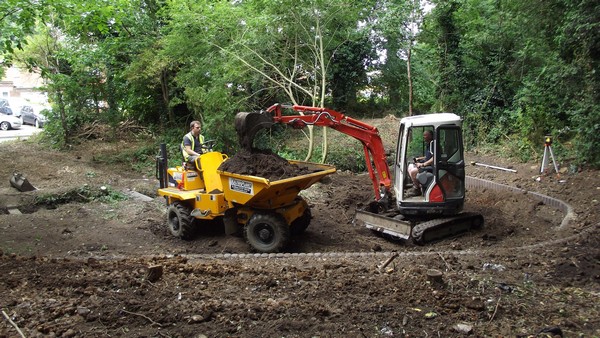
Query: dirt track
{"x": 79, "y": 269}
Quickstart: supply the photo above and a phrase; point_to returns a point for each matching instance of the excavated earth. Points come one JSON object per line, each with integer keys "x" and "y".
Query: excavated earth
{"x": 263, "y": 163}
{"x": 77, "y": 260}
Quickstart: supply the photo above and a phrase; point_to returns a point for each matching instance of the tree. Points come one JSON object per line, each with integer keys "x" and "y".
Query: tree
{"x": 268, "y": 49}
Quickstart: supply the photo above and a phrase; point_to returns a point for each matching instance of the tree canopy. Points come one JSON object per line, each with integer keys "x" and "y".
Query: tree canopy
{"x": 515, "y": 71}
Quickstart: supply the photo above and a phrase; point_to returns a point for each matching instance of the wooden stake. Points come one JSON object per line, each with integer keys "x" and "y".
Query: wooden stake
{"x": 389, "y": 260}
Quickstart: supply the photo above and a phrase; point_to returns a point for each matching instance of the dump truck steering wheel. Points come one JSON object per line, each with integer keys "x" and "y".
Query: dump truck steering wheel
{"x": 208, "y": 145}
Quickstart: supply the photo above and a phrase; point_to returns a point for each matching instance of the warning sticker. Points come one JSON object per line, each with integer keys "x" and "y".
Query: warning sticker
{"x": 241, "y": 186}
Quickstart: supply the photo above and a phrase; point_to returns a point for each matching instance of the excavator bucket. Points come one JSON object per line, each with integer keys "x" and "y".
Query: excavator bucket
{"x": 21, "y": 183}
{"x": 248, "y": 124}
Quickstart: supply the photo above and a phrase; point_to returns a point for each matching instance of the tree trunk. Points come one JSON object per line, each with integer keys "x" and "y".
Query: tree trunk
{"x": 410, "y": 84}
{"x": 63, "y": 115}
{"x": 164, "y": 86}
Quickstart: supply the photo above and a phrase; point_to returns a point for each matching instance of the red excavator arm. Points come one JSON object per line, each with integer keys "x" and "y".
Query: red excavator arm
{"x": 368, "y": 135}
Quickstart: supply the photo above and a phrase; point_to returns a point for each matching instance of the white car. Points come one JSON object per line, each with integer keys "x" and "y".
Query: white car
{"x": 8, "y": 120}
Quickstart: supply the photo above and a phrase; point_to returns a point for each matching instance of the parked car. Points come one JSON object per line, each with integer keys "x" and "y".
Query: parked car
{"x": 9, "y": 121}
{"x": 33, "y": 115}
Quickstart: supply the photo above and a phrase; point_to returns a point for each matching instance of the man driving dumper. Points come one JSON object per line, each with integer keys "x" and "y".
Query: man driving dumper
{"x": 191, "y": 146}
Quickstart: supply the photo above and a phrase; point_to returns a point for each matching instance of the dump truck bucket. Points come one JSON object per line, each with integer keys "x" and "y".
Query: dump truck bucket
{"x": 248, "y": 124}
{"x": 21, "y": 183}
{"x": 260, "y": 193}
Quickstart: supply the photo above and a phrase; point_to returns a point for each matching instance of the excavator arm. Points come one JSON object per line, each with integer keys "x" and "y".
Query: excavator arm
{"x": 248, "y": 124}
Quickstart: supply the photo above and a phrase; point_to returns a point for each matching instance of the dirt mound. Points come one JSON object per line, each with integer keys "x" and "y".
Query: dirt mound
{"x": 263, "y": 163}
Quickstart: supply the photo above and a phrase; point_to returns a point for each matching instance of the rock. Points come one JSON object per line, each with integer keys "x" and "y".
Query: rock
{"x": 69, "y": 333}
{"x": 431, "y": 315}
{"x": 463, "y": 328}
{"x": 83, "y": 311}
{"x": 201, "y": 318}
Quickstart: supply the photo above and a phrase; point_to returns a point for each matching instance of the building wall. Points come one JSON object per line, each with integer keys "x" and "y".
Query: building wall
{"x": 21, "y": 87}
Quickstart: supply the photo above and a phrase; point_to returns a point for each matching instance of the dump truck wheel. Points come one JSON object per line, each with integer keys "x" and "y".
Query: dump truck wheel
{"x": 267, "y": 232}
{"x": 180, "y": 223}
{"x": 300, "y": 224}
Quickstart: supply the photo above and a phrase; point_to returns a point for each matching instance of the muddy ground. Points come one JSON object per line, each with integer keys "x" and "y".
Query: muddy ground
{"x": 74, "y": 262}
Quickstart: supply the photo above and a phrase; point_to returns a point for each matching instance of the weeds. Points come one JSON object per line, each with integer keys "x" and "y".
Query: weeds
{"x": 83, "y": 194}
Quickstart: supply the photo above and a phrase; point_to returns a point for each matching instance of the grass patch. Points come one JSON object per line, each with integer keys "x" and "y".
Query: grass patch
{"x": 83, "y": 194}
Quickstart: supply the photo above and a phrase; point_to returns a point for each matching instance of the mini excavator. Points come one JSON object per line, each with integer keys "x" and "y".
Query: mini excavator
{"x": 399, "y": 210}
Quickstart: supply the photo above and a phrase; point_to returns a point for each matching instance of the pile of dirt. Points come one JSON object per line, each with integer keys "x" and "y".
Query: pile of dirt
{"x": 263, "y": 163}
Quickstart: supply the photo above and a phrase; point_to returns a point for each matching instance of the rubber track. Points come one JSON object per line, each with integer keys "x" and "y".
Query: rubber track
{"x": 471, "y": 182}
{"x": 462, "y": 221}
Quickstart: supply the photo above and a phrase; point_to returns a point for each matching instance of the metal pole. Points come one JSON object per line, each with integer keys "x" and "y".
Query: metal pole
{"x": 161, "y": 166}
{"x": 553, "y": 160}
{"x": 544, "y": 160}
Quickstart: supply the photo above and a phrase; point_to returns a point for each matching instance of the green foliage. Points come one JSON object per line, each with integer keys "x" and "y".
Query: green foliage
{"x": 349, "y": 158}
{"x": 17, "y": 20}
{"x": 506, "y": 68}
{"x": 139, "y": 159}
{"x": 345, "y": 153}
{"x": 514, "y": 70}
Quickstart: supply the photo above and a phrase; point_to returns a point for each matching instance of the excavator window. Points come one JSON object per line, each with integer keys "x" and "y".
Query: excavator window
{"x": 451, "y": 164}
{"x": 416, "y": 145}
{"x": 449, "y": 142}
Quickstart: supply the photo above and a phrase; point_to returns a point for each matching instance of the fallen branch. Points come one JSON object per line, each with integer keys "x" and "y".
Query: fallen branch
{"x": 13, "y": 324}
{"x": 495, "y": 310}
{"x": 143, "y": 316}
{"x": 447, "y": 265}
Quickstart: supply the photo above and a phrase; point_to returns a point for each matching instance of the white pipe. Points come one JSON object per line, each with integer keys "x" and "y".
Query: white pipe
{"x": 493, "y": 167}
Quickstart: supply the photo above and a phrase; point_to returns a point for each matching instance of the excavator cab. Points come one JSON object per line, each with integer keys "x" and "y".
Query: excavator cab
{"x": 441, "y": 186}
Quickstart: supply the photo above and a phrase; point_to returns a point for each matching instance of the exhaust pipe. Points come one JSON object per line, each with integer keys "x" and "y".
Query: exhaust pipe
{"x": 161, "y": 166}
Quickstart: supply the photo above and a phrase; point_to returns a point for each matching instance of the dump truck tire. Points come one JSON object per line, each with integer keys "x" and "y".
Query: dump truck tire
{"x": 179, "y": 220}
{"x": 300, "y": 224}
{"x": 267, "y": 233}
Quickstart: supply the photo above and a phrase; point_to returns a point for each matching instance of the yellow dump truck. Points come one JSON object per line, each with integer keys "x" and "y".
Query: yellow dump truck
{"x": 267, "y": 212}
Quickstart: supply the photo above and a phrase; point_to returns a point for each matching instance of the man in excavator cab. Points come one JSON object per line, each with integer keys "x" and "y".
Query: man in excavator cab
{"x": 192, "y": 145}
{"x": 421, "y": 165}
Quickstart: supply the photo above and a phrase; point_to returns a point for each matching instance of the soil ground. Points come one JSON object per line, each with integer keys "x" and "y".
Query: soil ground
{"x": 74, "y": 262}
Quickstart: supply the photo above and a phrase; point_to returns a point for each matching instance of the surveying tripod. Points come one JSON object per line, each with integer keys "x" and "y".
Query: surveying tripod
{"x": 548, "y": 149}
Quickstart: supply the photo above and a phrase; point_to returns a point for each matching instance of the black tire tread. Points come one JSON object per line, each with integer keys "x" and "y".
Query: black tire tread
{"x": 277, "y": 224}
{"x": 186, "y": 221}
